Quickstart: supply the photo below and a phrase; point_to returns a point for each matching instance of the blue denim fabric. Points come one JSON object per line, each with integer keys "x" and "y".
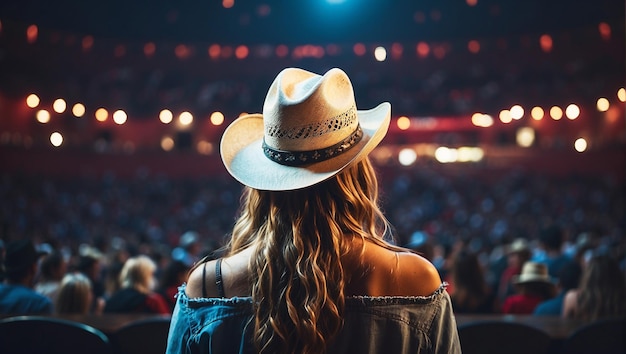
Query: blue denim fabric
{"x": 372, "y": 325}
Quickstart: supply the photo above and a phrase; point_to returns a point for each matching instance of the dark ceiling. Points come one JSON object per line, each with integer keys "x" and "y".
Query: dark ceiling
{"x": 276, "y": 21}
{"x": 581, "y": 65}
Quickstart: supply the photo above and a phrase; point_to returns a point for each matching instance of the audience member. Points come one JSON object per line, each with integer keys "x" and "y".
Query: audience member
{"x": 90, "y": 264}
{"x": 551, "y": 241}
{"x": 53, "y": 267}
{"x": 534, "y": 285}
{"x": 569, "y": 277}
{"x": 75, "y": 295}
{"x": 189, "y": 248}
{"x": 308, "y": 262}
{"x": 517, "y": 254}
{"x": 173, "y": 276}
{"x": 601, "y": 292}
{"x": 471, "y": 292}
{"x": 136, "y": 293}
{"x": 17, "y": 295}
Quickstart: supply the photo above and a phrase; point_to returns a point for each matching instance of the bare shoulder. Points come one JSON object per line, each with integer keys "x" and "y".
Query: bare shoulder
{"x": 202, "y": 276}
{"x": 387, "y": 272}
{"x": 417, "y": 274}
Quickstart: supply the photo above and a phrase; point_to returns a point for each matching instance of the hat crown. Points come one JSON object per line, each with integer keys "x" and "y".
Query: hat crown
{"x": 534, "y": 272}
{"x": 306, "y": 111}
{"x": 534, "y": 269}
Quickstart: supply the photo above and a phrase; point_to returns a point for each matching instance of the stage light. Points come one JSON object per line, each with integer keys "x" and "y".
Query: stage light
{"x": 482, "y": 120}
{"x": 537, "y": 113}
{"x": 78, "y": 110}
{"x": 31, "y": 33}
{"x": 166, "y": 116}
{"x": 59, "y": 105}
{"x": 101, "y": 114}
{"x": 185, "y": 118}
{"x": 32, "y": 100}
{"x": 217, "y": 118}
{"x": 525, "y": 136}
{"x": 120, "y": 117}
{"x": 380, "y": 53}
{"x": 403, "y": 123}
{"x": 621, "y": 94}
{"x": 603, "y": 104}
{"x": 241, "y": 52}
{"x": 407, "y": 157}
{"x": 517, "y": 112}
{"x": 556, "y": 113}
{"x": 446, "y": 155}
{"x": 167, "y": 143}
{"x": 580, "y": 144}
{"x": 43, "y": 116}
{"x": 505, "y": 116}
{"x": 572, "y": 111}
{"x": 56, "y": 139}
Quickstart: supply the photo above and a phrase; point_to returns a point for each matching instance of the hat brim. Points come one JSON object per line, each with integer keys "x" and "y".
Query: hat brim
{"x": 242, "y": 153}
{"x": 517, "y": 279}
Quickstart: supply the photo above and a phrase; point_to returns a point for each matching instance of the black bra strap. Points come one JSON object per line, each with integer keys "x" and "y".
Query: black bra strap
{"x": 204, "y": 279}
{"x": 218, "y": 278}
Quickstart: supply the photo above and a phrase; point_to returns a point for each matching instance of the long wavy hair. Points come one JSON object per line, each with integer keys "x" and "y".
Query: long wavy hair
{"x": 602, "y": 289}
{"x": 299, "y": 237}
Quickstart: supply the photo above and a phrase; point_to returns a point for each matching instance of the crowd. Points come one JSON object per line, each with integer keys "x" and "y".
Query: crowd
{"x": 517, "y": 243}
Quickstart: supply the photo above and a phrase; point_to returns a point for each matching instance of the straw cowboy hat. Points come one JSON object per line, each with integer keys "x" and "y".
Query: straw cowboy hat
{"x": 533, "y": 272}
{"x": 309, "y": 131}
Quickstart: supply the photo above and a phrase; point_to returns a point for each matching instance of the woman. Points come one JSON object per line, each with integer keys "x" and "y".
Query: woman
{"x": 601, "y": 291}
{"x": 136, "y": 293}
{"x": 75, "y": 295}
{"x": 471, "y": 292}
{"x": 307, "y": 269}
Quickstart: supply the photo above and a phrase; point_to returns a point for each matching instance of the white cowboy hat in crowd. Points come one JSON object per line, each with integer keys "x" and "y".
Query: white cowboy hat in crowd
{"x": 309, "y": 131}
{"x": 533, "y": 272}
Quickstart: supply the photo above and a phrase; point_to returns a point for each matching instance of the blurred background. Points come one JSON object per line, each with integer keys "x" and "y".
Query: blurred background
{"x": 506, "y": 115}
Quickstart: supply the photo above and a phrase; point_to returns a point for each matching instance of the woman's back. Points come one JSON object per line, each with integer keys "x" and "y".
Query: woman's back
{"x": 395, "y": 303}
{"x": 376, "y": 271}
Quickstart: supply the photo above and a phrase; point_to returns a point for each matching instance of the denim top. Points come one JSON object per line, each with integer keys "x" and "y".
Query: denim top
{"x": 388, "y": 324}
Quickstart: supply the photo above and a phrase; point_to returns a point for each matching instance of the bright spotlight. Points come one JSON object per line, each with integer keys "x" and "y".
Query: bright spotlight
{"x": 78, "y": 110}
{"x": 56, "y": 139}
{"x": 119, "y": 117}
{"x": 580, "y": 144}
{"x": 59, "y": 105}
{"x": 185, "y": 118}
{"x": 43, "y": 116}
{"x": 32, "y": 100}
{"x": 380, "y": 53}
{"x": 166, "y": 116}
{"x": 407, "y": 157}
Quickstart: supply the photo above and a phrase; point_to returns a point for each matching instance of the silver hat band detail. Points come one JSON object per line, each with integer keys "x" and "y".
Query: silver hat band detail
{"x": 300, "y": 158}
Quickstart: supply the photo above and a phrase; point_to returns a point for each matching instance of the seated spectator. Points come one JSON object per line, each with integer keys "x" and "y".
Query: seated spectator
{"x": 75, "y": 295}
{"x": 569, "y": 277}
{"x": 601, "y": 293}
{"x": 17, "y": 295}
{"x": 517, "y": 253}
{"x": 174, "y": 275}
{"x": 136, "y": 293}
{"x": 53, "y": 268}
{"x": 551, "y": 242}
{"x": 471, "y": 293}
{"x": 533, "y": 286}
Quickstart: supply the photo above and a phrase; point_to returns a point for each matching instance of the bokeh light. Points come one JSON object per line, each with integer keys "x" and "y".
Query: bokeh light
{"x": 32, "y": 100}
{"x": 56, "y": 139}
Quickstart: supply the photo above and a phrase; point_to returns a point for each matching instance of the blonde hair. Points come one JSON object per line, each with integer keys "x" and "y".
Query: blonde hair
{"x": 74, "y": 294}
{"x": 138, "y": 273}
{"x": 297, "y": 277}
{"x": 602, "y": 290}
